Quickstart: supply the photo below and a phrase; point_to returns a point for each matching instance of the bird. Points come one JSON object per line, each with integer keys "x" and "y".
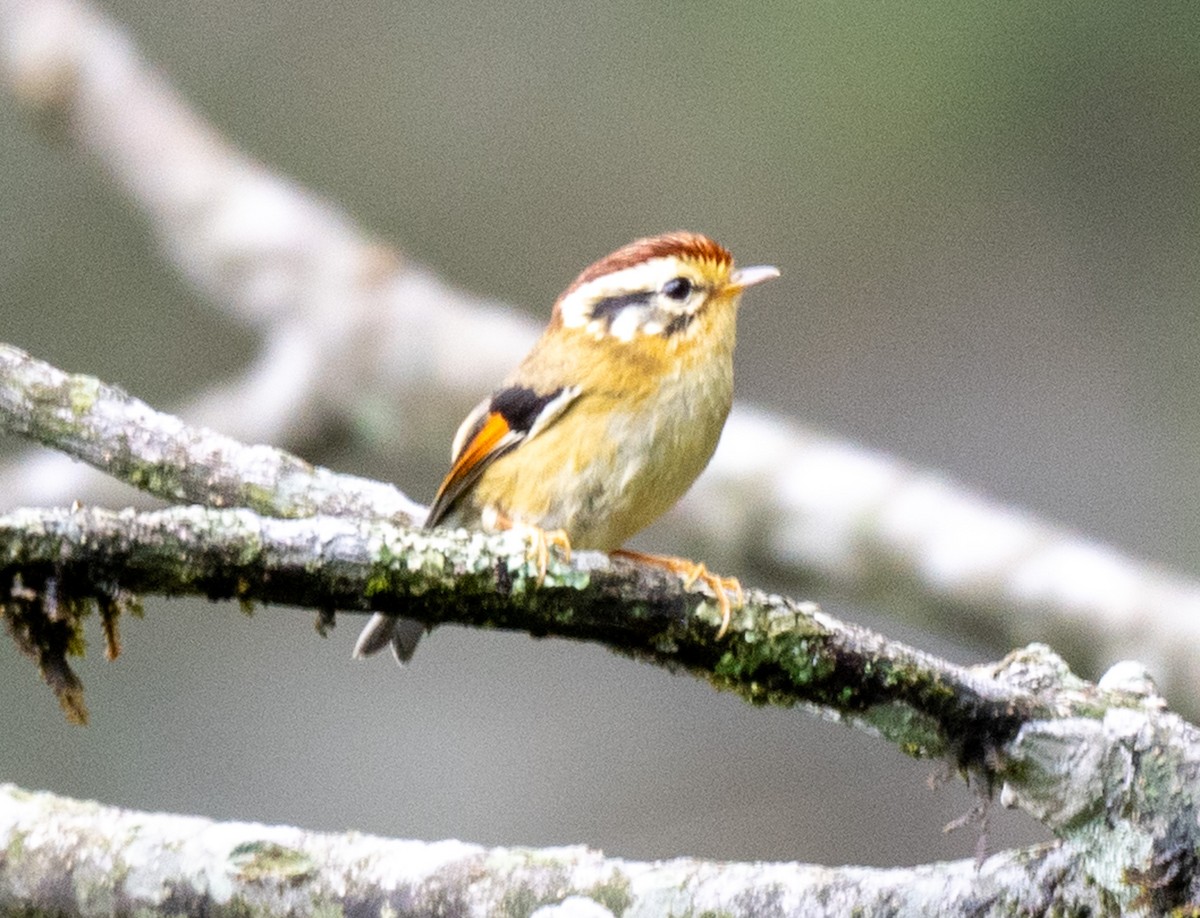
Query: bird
{"x": 607, "y": 420}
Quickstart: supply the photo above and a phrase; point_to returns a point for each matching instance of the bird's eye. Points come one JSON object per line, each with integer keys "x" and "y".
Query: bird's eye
{"x": 677, "y": 288}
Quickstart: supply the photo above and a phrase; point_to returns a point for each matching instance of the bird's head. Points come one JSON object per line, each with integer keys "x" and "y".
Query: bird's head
{"x": 660, "y": 287}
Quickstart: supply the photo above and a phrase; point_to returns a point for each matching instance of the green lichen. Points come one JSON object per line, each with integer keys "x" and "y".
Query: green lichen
{"x": 82, "y": 394}
{"x": 327, "y": 910}
{"x": 563, "y": 575}
{"x": 615, "y": 894}
{"x": 404, "y": 571}
{"x": 523, "y": 901}
{"x": 158, "y": 478}
{"x": 263, "y": 861}
{"x": 379, "y": 582}
{"x": 264, "y": 499}
{"x": 917, "y": 734}
{"x": 1158, "y": 779}
{"x": 15, "y": 849}
{"x": 782, "y": 669}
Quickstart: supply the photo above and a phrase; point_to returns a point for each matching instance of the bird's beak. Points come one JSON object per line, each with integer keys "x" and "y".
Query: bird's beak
{"x": 751, "y": 277}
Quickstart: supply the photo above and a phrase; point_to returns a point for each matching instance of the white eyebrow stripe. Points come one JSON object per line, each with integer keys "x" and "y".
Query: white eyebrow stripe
{"x": 576, "y": 307}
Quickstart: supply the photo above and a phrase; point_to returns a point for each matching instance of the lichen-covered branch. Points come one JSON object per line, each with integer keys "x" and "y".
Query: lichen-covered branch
{"x": 348, "y": 323}
{"x": 1107, "y": 767}
{"x": 72, "y": 858}
{"x": 778, "y": 651}
{"x": 127, "y": 439}
{"x": 263, "y": 558}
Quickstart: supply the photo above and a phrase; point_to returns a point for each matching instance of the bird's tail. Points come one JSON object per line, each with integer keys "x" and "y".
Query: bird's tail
{"x": 403, "y": 634}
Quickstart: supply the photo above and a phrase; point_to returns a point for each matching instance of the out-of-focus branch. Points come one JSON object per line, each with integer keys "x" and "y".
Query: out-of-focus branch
{"x": 65, "y": 856}
{"x": 1107, "y": 767}
{"x": 351, "y": 328}
{"x": 127, "y": 439}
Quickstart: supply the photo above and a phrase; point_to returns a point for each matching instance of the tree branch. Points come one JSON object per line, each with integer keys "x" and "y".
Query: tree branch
{"x": 130, "y": 441}
{"x": 1108, "y": 768}
{"x": 74, "y": 858}
{"x": 778, "y": 652}
{"x": 303, "y": 563}
{"x": 348, "y": 323}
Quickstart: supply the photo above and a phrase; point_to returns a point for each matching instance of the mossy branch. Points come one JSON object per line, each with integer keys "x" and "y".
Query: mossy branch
{"x": 58, "y": 563}
{"x": 1105, "y": 767}
{"x": 343, "y": 554}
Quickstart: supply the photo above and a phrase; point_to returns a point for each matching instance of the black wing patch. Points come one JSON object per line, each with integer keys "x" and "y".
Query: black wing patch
{"x": 521, "y": 407}
{"x": 494, "y": 428}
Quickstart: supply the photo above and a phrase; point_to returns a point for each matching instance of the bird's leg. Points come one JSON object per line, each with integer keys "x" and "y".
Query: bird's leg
{"x": 691, "y": 572}
{"x": 542, "y": 540}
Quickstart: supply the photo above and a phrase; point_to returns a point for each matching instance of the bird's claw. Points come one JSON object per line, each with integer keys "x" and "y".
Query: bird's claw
{"x": 692, "y": 572}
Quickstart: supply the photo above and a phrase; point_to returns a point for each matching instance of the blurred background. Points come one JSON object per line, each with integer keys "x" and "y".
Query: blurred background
{"x": 987, "y": 218}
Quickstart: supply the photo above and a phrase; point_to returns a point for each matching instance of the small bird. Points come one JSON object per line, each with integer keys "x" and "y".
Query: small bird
{"x": 608, "y": 419}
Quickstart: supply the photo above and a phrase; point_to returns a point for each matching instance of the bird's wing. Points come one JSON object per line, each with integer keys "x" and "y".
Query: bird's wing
{"x": 496, "y": 426}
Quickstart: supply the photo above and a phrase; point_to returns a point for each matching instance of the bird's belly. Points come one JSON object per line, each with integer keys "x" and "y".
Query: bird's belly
{"x": 601, "y": 473}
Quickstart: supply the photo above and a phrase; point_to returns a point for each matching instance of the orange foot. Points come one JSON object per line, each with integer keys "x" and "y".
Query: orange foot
{"x": 542, "y": 540}
{"x": 691, "y": 572}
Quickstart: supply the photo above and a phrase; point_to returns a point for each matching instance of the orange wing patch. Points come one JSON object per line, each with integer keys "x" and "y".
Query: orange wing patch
{"x": 496, "y": 427}
{"x": 489, "y": 438}
{"x": 492, "y": 439}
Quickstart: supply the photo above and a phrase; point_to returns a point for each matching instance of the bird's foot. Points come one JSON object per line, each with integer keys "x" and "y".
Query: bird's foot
{"x": 693, "y": 572}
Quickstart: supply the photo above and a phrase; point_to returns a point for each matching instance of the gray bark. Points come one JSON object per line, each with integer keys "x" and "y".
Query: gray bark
{"x": 347, "y": 321}
{"x": 1106, "y": 767}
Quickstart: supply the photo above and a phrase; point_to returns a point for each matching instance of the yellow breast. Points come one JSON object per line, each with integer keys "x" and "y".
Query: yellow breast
{"x": 645, "y": 425}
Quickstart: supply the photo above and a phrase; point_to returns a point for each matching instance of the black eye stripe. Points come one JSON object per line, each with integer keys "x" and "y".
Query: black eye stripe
{"x": 678, "y": 324}
{"x": 611, "y": 306}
